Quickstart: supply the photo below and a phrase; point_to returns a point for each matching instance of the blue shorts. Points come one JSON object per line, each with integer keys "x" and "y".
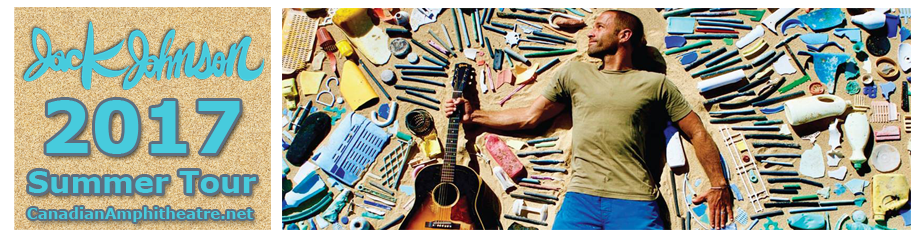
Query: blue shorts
{"x": 580, "y": 211}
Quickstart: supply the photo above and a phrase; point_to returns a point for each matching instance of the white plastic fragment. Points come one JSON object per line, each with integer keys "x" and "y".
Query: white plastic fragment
{"x": 784, "y": 130}
{"x": 482, "y": 82}
{"x": 856, "y": 186}
{"x": 811, "y": 137}
{"x": 502, "y": 180}
{"x": 754, "y": 34}
{"x": 870, "y": 20}
{"x": 422, "y": 16}
{"x": 812, "y": 163}
{"x": 783, "y": 65}
{"x": 470, "y": 53}
{"x": 834, "y": 135}
{"x": 885, "y": 158}
{"x": 317, "y": 63}
{"x": 904, "y": 56}
{"x": 721, "y": 80}
{"x": 824, "y": 192}
{"x": 838, "y": 174}
{"x": 774, "y": 18}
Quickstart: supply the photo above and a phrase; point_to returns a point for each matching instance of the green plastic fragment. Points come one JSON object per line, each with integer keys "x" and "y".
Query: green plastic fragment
{"x": 756, "y": 15}
{"x": 771, "y": 225}
{"x": 792, "y": 186}
{"x": 805, "y": 197}
{"x": 853, "y": 87}
{"x": 729, "y": 41}
{"x": 546, "y": 144}
{"x": 688, "y": 47}
{"x": 794, "y": 84}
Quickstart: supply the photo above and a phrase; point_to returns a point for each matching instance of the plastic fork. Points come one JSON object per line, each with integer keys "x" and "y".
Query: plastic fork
{"x": 904, "y": 13}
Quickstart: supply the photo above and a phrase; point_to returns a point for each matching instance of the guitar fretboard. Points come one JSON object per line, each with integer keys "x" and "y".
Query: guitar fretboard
{"x": 450, "y": 153}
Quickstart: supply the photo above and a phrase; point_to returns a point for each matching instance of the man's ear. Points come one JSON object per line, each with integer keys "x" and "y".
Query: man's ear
{"x": 625, "y": 36}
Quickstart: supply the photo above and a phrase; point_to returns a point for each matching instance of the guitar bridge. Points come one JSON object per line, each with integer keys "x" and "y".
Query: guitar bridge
{"x": 442, "y": 225}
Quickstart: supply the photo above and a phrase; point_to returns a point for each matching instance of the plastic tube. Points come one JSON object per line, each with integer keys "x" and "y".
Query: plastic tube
{"x": 720, "y": 81}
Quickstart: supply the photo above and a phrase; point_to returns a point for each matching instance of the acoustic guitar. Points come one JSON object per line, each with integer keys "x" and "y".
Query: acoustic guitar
{"x": 446, "y": 195}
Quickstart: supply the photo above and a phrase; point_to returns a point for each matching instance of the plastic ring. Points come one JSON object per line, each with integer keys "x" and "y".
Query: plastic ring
{"x": 882, "y": 60}
{"x": 816, "y": 88}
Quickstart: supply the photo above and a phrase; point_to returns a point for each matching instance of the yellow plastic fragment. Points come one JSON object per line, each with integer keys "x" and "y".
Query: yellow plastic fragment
{"x": 288, "y": 88}
{"x": 354, "y": 87}
{"x": 309, "y": 81}
{"x": 524, "y": 74}
{"x": 517, "y": 145}
{"x": 889, "y": 192}
{"x": 430, "y": 145}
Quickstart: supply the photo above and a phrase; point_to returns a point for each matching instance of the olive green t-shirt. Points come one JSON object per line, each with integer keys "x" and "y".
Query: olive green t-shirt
{"x": 611, "y": 113}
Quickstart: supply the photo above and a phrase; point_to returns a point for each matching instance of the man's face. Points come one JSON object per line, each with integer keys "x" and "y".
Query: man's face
{"x": 603, "y": 39}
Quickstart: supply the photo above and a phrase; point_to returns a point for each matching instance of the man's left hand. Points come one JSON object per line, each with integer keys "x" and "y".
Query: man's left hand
{"x": 720, "y": 205}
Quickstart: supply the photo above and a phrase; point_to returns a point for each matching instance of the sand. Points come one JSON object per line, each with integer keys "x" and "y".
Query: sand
{"x": 560, "y": 126}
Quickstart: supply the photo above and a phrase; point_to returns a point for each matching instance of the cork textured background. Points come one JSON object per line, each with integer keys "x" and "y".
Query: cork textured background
{"x": 246, "y": 149}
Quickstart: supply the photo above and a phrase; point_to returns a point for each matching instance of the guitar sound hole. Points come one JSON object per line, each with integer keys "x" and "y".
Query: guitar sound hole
{"x": 446, "y": 194}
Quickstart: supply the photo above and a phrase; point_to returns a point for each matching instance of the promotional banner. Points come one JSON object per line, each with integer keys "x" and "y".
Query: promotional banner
{"x": 142, "y": 118}
{"x": 596, "y": 118}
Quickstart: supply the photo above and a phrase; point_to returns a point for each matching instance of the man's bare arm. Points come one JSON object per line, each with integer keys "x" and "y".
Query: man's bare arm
{"x": 706, "y": 150}
{"x": 510, "y": 119}
{"x": 719, "y": 196}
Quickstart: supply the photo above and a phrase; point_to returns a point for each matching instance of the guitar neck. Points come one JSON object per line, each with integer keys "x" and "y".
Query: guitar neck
{"x": 450, "y": 151}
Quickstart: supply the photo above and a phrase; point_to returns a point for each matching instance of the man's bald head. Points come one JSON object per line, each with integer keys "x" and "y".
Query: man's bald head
{"x": 614, "y": 30}
{"x": 625, "y": 20}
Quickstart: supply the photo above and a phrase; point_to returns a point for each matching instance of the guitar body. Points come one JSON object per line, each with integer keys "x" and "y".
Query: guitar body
{"x": 440, "y": 206}
{"x": 447, "y": 195}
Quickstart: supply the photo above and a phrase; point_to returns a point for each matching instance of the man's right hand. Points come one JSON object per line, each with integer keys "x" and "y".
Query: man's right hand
{"x": 450, "y": 106}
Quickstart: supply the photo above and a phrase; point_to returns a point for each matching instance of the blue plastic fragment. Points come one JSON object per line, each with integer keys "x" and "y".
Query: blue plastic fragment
{"x": 823, "y": 19}
{"x": 809, "y": 221}
{"x": 738, "y": 195}
{"x": 351, "y": 148}
{"x": 851, "y": 69}
{"x": 725, "y": 24}
{"x": 853, "y": 34}
{"x": 905, "y": 33}
{"x": 814, "y": 38}
{"x": 773, "y": 110}
{"x": 731, "y": 226}
{"x": 688, "y": 58}
{"x": 826, "y": 65}
{"x": 887, "y": 88}
{"x": 292, "y": 226}
{"x": 704, "y": 51}
{"x": 674, "y": 41}
{"x": 681, "y": 25}
{"x": 892, "y": 22}
{"x": 839, "y": 189}
{"x": 870, "y": 91}
{"x": 821, "y": 48}
{"x": 791, "y": 23}
{"x": 905, "y": 213}
{"x": 860, "y": 201}
{"x": 701, "y": 212}
{"x": 383, "y": 110}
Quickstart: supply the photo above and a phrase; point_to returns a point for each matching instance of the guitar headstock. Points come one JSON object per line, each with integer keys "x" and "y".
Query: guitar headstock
{"x": 464, "y": 75}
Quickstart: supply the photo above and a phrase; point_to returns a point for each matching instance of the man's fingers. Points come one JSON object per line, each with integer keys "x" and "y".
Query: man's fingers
{"x": 731, "y": 213}
{"x": 714, "y": 217}
{"x": 699, "y": 199}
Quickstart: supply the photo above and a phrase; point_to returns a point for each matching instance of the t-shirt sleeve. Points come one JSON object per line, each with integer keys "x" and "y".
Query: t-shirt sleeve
{"x": 674, "y": 102}
{"x": 557, "y": 90}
